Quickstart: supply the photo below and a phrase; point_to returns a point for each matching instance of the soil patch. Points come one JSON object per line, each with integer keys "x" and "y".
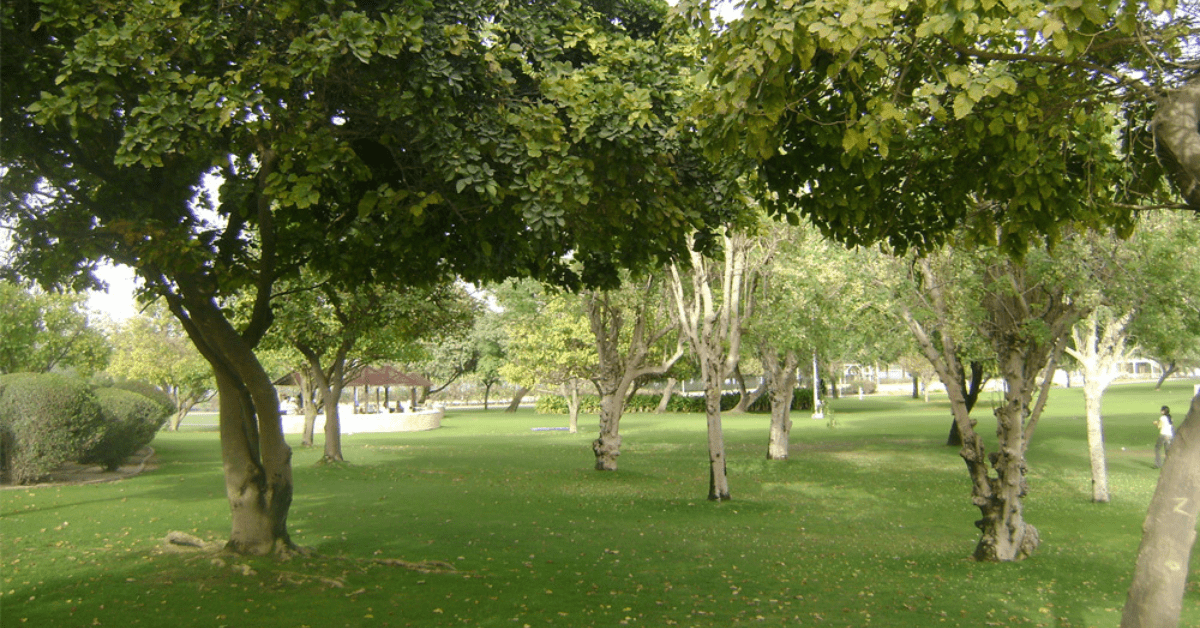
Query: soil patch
{"x": 74, "y": 473}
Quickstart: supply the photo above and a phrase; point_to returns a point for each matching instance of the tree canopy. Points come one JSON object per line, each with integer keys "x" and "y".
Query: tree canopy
{"x": 897, "y": 121}
{"x": 44, "y": 331}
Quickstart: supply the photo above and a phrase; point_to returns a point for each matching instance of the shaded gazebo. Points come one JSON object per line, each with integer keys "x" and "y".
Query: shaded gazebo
{"x": 384, "y": 377}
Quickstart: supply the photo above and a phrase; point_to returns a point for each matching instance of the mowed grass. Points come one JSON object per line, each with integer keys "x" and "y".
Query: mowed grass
{"x": 868, "y": 524}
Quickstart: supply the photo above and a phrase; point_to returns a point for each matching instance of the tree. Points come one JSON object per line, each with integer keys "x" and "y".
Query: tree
{"x": 710, "y": 296}
{"x": 398, "y": 143}
{"x": 845, "y": 102}
{"x": 1023, "y": 311}
{"x": 811, "y": 298}
{"x": 152, "y": 347}
{"x": 339, "y": 331}
{"x": 842, "y": 102}
{"x": 630, "y": 326}
{"x": 553, "y": 347}
{"x": 1141, "y": 285}
{"x": 490, "y": 341}
{"x": 1099, "y": 347}
{"x": 1167, "y": 326}
{"x": 45, "y": 331}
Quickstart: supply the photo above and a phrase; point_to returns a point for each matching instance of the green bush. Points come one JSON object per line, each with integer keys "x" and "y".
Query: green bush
{"x": 46, "y": 419}
{"x": 132, "y": 420}
{"x": 150, "y": 391}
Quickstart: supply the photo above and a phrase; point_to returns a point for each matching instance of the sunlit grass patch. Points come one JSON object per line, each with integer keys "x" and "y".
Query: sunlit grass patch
{"x": 868, "y": 524}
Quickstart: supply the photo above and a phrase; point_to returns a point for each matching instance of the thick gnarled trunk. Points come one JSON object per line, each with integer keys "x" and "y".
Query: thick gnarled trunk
{"x": 1004, "y": 533}
{"x": 624, "y": 358}
{"x": 257, "y": 474}
{"x": 781, "y": 385}
{"x": 608, "y": 445}
{"x": 256, "y": 458}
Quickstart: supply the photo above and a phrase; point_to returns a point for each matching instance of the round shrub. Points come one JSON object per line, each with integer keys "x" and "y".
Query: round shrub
{"x": 132, "y": 420}
{"x": 150, "y": 391}
{"x": 46, "y": 419}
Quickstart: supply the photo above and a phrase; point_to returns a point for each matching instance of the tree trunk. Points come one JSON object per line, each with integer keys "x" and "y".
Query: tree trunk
{"x": 329, "y": 385}
{"x": 718, "y": 482}
{"x": 1175, "y": 128}
{"x": 608, "y": 445}
{"x": 573, "y": 408}
{"x": 743, "y": 394}
{"x": 916, "y": 394}
{"x": 333, "y": 424}
{"x": 183, "y": 407}
{"x": 781, "y": 382}
{"x": 487, "y": 391}
{"x": 1156, "y": 594}
{"x": 668, "y": 390}
{"x": 624, "y": 335}
{"x": 1167, "y": 371}
{"x": 1005, "y": 534}
{"x": 307, "y": 395}
{"x": 515, "y": 404}
{"x": 256, "y": 459}
{"x": 1095, "y": 434}
{"x": 310, "y": 420}
{"x": 970, "y": 396}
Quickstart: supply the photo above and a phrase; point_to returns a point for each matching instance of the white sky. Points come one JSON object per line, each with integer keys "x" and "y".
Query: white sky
{"x": 118, "y": 303}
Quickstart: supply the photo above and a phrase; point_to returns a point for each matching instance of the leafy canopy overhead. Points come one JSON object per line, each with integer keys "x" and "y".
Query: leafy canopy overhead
{"x": 898, "y": 120}
{"x": 370, "y": 141}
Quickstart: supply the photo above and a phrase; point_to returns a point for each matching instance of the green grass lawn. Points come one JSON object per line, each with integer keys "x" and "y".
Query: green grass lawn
{"x": 868, "y": 524}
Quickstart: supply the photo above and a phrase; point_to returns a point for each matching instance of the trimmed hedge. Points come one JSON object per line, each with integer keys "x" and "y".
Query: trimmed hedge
{"x": 150, "y": 391}
{"x": 132, "y": 421}
{"x": 590, "y": 404}
{"x": 46, "y": 419}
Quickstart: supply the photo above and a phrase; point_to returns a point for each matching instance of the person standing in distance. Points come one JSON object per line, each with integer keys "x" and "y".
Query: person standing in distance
{"x": 1165, "y": 434}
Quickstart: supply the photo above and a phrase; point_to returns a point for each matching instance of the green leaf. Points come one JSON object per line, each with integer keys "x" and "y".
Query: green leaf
{"x": 962, "y": 105}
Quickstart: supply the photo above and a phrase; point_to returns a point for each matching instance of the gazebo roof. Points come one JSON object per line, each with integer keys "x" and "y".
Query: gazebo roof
{"x": 388, "y": 375}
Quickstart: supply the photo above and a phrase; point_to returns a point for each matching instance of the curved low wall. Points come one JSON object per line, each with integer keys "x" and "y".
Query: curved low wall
{"x": 419, "y": 421}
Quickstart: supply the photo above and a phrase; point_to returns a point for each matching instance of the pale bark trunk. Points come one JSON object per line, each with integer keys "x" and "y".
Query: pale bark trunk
{"x": 1160, "y": 575}
{"x": 573, "y": 407}
{"x": 307, "y": 404}
{"x": 668, "y": 390}
{"x": 183, "y": 407}
{"x": 1099, "y": 349}
{"x": 1095, "y": 435}
{"x": 715, "y": 333}
{"x": 718, "y": 481}
{"x": 333, "y": 425}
